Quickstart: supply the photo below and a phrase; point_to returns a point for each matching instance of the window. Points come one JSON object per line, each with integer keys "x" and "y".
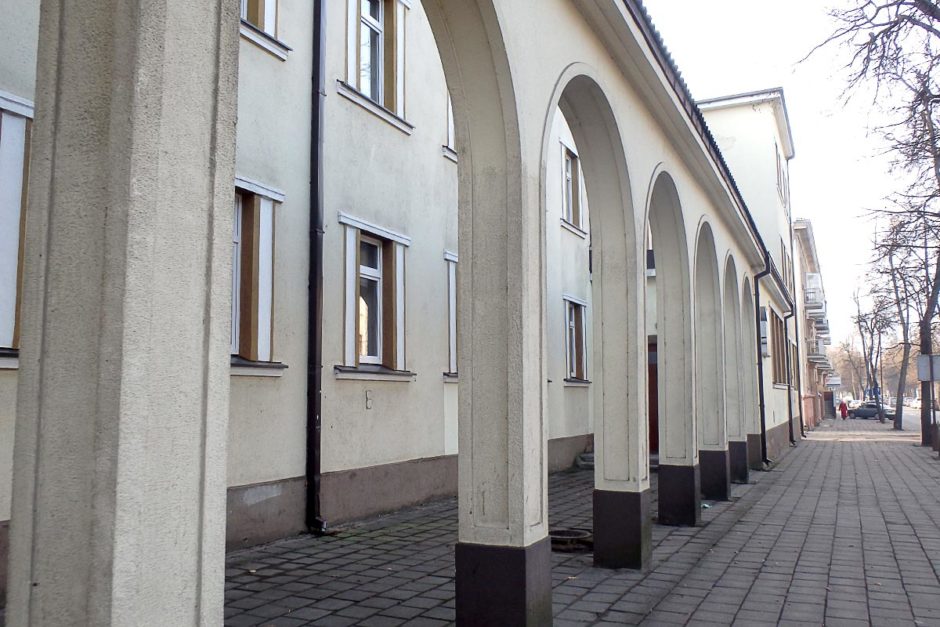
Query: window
{"x": 451, "y": 260}
{"x": 376, "y": 51}
{"x": 375, "y": 296}
{"x": 262, "y": 14}
{"x": 252, "y": 276}
{"x": 571, "y": 187}
{"x": 778, "y": 348}
{"x": 14, "y": 165}
{"x": 575, "y": 340}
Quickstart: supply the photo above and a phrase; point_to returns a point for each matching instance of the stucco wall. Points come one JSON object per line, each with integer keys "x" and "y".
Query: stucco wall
{"x": 7, "y": 418}
{"x": 18, "y": 47}
{"x": 267, "y": 427}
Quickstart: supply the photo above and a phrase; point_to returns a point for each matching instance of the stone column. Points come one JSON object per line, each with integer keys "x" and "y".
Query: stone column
{"x": 119, "y": 458}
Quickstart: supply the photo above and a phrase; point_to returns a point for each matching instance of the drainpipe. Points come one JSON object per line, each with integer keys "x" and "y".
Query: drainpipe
{"x": 760, "y": 358}
{"x": 314, "y": 520}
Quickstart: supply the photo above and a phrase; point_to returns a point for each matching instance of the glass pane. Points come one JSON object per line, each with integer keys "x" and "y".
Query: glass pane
{"x": 368, "y": 255}
{"x": 371, "y": 8}
{"x": 370, "y": 62}
{"x": 368, "y": 317}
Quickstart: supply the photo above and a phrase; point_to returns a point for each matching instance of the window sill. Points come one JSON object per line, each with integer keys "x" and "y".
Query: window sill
{"x": 9, "y": 359}
{"x": 353, "y": 94}
{"x": 577, "y": 383}
{"x": 366, "y": 372}
{"x": 247, "y": 368}
{"x": 451, "y": 377}
{"x": 568, "y": 226}
{"x": 263, "y": 40}
{"x": 449, "y": 153}
{"x": 781, "y": 386}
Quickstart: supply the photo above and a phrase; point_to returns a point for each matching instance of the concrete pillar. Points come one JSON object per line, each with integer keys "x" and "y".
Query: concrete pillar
{"x": 119, "y": 464}
{"x": 503, "y": 554}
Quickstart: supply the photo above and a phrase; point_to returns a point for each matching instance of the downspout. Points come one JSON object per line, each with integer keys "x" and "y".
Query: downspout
{"x": 313, "y": 518}
{"x": 760, "y": 358}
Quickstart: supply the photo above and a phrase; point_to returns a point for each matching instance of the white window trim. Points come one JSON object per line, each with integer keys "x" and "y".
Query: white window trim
{"x": 13, "y": 150}
{"x": 353, "y": 228}
{"x": 377, "y": 26}
{"x": 351, "y": 93}
{"x": 260, "y": 189}
{"x": 369, "y": 228}
{"x": 236, "y": 273}
{"x": 353, "y": 22}
{"x": 265, "y": 41}
{"x": 568, "y": 226}
{"x": 17, "y": 105}
{"x": 569, "y": 376}
{"x": 9, "y": 363}
{"x": 250, "y": 371}
{"x": 565, "y": 207}
{"x": 451, "y": 261}
{"x": 375, "y": 275}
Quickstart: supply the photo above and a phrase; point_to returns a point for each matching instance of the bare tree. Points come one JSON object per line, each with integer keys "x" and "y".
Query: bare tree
{"x": 894, "y": 47}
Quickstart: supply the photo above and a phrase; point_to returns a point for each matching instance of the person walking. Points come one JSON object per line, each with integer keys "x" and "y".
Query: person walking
{"x": 843, "y": 409}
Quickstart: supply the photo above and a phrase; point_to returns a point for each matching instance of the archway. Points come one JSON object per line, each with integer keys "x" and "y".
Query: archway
{"x": 679, "y": 478}
{"x": 709, "y": 385}
{"x": 749, "y": 402}
{"x": 734, "y": 375}
{"x": 621, "y": 501}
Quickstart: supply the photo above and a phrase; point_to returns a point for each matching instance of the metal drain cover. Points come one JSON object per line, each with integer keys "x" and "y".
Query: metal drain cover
{"x": 571, "y": 539}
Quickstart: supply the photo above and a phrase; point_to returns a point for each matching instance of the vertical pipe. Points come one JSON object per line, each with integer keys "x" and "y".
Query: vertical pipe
{"x": 760, "y": 359}
{"x": 314, "y": 519}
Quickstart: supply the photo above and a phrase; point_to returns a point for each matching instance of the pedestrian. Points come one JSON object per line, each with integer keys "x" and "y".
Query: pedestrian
{"x": 843, "y": 409}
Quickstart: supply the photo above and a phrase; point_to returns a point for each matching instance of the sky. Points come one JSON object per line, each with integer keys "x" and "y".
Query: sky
{"x": 840, "y": 172}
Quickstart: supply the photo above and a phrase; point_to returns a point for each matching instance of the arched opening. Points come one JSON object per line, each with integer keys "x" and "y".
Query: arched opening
{"x": 582, "y": 136}
{"x": 734, "y": 375}
{"x": 749, "y": 403}
{"x": 709, "y": 384}
{"x": 679, "y": 499}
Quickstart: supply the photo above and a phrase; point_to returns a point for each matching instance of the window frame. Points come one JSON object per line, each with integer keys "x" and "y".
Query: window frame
{"x": 571, "y": 206}
{"x": 392, "y": 297}
{"x": 375, "y": 275}
{"x": 252, "y": 336}
{"x": 261, "y": 14}
{"x": 451, "y": 261}
{"x": 19, "y": 113}
{"x": 575, "y": 326}
{"x": 377, "y": 26}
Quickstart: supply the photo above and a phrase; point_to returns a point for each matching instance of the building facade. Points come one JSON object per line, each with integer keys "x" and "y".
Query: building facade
{"x": 366, "y": 343}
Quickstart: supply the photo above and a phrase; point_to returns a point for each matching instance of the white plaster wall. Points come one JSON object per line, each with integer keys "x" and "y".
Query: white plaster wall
{"x": 377, "y": 173}
{"x": 267, "y": 426}
{"x": 18, "y": 47}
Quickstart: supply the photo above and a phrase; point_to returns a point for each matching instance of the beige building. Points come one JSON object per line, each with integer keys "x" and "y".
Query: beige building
{"x": 374, "y": 362}
{"x": 814, "y": 325}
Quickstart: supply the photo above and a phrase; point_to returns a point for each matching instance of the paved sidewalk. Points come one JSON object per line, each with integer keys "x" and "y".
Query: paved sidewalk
{"x": 845, "y": 531}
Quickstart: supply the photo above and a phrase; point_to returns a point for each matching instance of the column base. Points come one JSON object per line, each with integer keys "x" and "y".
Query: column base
{"x": 504, "y": 585}
{"x": 716, "y": 475}
{"x": 680, "y": 499}
{"x": 755, "y": 460}
{"x": 737, "y": 456}
{"x": 623, "y": 531}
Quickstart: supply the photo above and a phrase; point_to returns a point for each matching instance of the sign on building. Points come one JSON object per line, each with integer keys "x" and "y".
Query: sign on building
{"x": 834, "y": 381}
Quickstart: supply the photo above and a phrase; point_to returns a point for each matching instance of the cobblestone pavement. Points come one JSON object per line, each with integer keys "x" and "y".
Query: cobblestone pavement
{"x": 845, "y": 530}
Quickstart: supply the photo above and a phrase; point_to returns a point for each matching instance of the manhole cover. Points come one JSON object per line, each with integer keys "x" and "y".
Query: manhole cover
{"x": 571, "y": 539}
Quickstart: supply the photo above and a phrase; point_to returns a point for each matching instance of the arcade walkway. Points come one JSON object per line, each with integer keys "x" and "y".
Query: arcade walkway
{"x": 845, "y": 531}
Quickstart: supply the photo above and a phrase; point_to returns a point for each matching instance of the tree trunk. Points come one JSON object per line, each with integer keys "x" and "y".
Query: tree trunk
{"x": 926, "y": 348}
{"x": 902, "y": 378}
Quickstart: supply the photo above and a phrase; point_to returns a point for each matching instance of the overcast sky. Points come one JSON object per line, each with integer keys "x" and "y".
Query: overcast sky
{"x": 838, "y": 176}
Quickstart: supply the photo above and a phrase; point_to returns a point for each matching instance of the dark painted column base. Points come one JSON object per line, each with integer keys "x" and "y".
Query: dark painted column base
{"x": 716, "y": 475}
{"x": 754, "y": 459}
{"x": 623, "y": 531}
{"x": 737, "y": 455}
{"x": 504, "y": 585}
{"x": 680, "y": 498}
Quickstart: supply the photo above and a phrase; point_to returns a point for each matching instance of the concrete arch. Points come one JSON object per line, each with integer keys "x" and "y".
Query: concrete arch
{"x": 618, "y": 375}
{"x": 502, "y": 493}
{"x": 734, "y": 374}
{"x": 749, "y": 402}
{"x": 679, "y": 480}
{"x": 709, "y": 376}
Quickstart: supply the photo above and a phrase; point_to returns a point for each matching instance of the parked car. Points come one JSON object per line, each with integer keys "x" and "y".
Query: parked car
{"x": 854, "y": 404}
{"x": 869, "y": 409}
